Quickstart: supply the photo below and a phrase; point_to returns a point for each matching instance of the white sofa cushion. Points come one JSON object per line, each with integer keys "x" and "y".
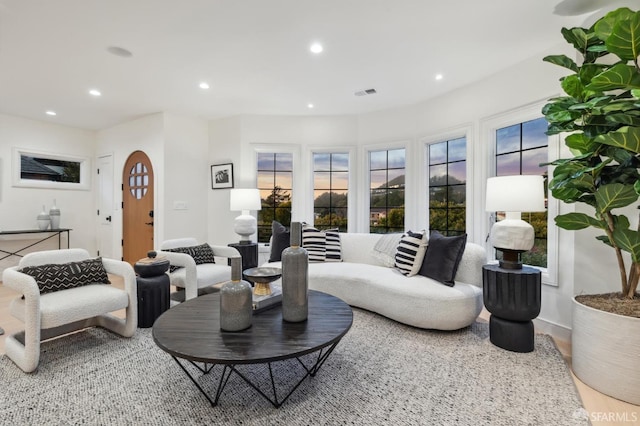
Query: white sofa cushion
{"x": 207, "y": 274}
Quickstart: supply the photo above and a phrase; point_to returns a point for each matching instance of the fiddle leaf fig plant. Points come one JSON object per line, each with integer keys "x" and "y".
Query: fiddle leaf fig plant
{"x": 600, "y": 112}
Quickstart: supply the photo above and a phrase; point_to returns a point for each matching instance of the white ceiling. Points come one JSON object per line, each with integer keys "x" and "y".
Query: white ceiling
{"x": 255, "y": 54}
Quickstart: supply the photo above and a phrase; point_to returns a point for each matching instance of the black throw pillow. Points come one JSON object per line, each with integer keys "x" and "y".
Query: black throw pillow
{"x": 60, "y": 276}
{"x": 280, "y": 240}
{"x": 443, "y": 257}
{"x": 200, "y": 254}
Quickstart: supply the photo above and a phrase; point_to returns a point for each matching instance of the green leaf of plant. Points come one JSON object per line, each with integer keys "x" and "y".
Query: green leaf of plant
{"x": 575, "y": 221}
{"x": 636, "y": 187}
{"x": 563, "y": 61}
{"x": 615, "y": 195}
{"x": 588, "y": 71}
{"x": 576, "y": 36}
{"x": 621, "y": 221}
{"x": 629, "y": 241}
{"x": 580, "y": 142}
{"x": 604, "y": 27}
{"x": 620, "y": 76}
{"x": 626, "y": 119}
{"x": 625, "y": 137}
{"x": 605, "y": 240}
{"x": 573, "y": 86}
{"x": 624, "y": 39}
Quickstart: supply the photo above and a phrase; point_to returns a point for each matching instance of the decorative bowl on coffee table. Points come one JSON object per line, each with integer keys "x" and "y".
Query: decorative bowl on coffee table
{"x": 262, "y": 277}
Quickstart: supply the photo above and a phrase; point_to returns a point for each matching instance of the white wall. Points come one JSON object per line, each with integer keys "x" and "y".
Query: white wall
{"x": 186, "y": 178}
{"x": 20, "y": 206}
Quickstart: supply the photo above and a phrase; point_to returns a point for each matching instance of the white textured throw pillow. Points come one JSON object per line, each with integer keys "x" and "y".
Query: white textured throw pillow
{"x": 322, "y": 246}
{"x": 410, "y": 252}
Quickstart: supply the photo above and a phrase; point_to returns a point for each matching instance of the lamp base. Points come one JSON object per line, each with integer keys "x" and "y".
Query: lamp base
{"x": 510, "y": 258}
{"x": 245, "y": 225}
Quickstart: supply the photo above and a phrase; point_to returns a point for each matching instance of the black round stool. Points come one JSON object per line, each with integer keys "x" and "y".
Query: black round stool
{"x": 153, "y": 289}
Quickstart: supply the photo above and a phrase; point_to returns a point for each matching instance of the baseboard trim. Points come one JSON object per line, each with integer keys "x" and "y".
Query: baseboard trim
{"x": 557, "y": 331}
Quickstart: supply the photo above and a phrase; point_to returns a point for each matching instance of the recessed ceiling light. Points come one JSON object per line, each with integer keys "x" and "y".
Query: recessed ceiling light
{"x": 94, "y": 92}
{"x": 309, "y": 106}
{"x": 119, "y": 51}
{"x": 316, "y": 48}
{"x": 438, "y": 76}
{"x": 51, "y": 113}
{"x": 204, "y": 85}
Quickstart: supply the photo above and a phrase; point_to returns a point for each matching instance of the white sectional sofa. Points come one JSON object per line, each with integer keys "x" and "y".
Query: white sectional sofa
{"x": 365, "y": 280}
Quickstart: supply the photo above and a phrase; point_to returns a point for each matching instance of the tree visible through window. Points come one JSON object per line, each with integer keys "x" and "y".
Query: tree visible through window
{"x": 447, "y": 186}
{"x": 275, "y": 182}
{"x": 330, "y": 187}
{"x": 519, "y": 151}
{"x": 386, "y": 189}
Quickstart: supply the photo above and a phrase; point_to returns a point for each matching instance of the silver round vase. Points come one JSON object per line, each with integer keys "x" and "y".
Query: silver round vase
{"x": 236, "y": 300}
{"x": 295, "y": 278}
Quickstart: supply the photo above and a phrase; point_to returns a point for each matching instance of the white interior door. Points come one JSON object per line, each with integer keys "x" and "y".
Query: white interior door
{"x": 105, "y": 206}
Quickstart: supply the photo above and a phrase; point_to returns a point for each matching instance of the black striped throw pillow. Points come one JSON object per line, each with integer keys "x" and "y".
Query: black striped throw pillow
{"x": 322, "y": 246}
{"x": 410, "y": 252}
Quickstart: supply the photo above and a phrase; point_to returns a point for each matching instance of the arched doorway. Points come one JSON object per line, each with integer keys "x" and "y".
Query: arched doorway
{"x": 137, "y": 207}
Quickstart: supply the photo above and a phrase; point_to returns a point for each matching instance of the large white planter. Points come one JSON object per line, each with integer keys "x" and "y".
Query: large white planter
{"x": 605, "y": 352}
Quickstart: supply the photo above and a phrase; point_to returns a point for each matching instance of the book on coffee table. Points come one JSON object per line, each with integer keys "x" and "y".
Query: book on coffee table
{"x": 260, "y": 303}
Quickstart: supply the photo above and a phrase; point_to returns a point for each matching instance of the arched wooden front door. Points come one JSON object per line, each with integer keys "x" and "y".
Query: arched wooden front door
{"x": 137, "y": 207}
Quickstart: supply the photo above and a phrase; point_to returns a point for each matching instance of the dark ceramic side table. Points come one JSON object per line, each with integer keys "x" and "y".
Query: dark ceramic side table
{"x": 249, "y": 253}
{"x": 513, "y": 298}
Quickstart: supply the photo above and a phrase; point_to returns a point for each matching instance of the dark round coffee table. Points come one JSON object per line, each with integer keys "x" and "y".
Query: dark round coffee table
{"x": 191, "y": 331}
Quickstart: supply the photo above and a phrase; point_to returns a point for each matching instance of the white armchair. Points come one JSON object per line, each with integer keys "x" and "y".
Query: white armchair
{"x": 193, "y": 277}
{"x": 53, "y": 314}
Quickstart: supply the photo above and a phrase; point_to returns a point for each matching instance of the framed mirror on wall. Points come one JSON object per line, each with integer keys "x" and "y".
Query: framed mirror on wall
{"x": 38, "y": 169}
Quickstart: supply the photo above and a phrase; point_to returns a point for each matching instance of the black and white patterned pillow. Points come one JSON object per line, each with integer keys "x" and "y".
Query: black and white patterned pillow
{"x": 200, "y": 254}
{"x": 410, "y": 252}
{"x": 60, "y": 276}
{"x": 322, "y": 246}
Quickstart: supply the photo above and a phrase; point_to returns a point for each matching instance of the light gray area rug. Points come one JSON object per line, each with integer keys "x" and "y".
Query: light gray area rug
{"x": 382, "y": 373}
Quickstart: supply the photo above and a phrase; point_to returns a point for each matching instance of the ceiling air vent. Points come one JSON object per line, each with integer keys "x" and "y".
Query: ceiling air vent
{"x": 365, "y": 92}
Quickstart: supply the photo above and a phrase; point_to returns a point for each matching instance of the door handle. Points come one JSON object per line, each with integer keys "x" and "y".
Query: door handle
{"x": 149, "y": 223}
{"x": 108, "y": 218}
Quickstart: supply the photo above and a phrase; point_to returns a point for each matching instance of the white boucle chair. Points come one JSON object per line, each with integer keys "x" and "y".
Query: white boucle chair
{"x": 192, "y": 277}
{"x": 53, "y": 314}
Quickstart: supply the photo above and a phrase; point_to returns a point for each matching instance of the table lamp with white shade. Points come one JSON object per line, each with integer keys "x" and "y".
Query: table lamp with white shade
{"x": 245, "y": 200}
{"x": 513, "y": 195}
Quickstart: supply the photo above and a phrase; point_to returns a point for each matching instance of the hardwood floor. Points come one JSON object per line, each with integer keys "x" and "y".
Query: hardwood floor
{"x": 603, "y": 410}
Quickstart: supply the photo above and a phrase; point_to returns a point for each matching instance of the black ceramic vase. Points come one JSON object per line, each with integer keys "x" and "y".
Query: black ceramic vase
{"x": 295, "y": 278}
{"x": 236, "y": 299}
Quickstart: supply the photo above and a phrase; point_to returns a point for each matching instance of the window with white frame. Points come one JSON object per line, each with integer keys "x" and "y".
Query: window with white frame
{"x": 275, "y": 182}
{"x": 386, "y": 190}
{"x": 330, "y": 190}
{"x": 447, "y": 165}
{"x": 520, "y": 149}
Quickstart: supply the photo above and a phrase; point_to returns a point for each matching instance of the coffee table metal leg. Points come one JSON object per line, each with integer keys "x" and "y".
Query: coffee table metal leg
{"x": 213, "y": 403}
{"x": 228, "y": 369}
{"x": 310, "y": 371}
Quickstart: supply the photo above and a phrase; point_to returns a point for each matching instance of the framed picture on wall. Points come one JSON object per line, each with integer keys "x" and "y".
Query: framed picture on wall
{"x": 222, "y": 176}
